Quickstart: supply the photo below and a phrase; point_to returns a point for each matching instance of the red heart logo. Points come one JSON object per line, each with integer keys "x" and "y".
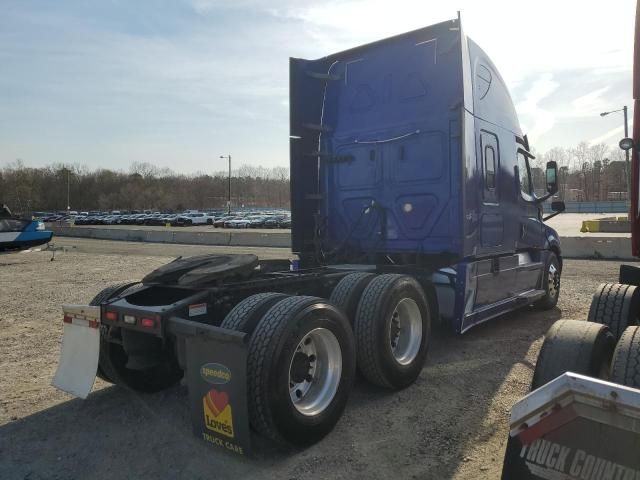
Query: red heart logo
{"x": 217, "y": 401}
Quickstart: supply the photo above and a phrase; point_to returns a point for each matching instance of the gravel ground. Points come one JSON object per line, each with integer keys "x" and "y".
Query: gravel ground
{"x": 452, "y": 423}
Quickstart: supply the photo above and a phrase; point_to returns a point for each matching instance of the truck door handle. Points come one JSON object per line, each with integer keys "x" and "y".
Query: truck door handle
{"x": 495, "y": 266}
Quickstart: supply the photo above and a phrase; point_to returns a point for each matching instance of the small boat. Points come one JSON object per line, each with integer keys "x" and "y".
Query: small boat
{"x": 21, "y": 233}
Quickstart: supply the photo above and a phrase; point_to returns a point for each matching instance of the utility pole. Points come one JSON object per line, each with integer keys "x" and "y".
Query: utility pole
{"x": 229, "y": 184}
{"x": 626, "y": 152}
{"x": 626, "y": 135}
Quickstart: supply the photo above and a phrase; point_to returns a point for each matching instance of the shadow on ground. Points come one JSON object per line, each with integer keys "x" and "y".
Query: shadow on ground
{"x": 460, "y": 404}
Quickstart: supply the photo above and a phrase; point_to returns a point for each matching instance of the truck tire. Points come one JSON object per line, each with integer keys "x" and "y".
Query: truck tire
{"x": 107, "y": 293}
{"x": 346, "y": 294}
{"x": 300, "y": 368}
{"x": 550, "y": 283}
{"x": 574, "y": 346}
{"x": 244, "y": 317}
{"x": 625, "y": 366}
{"x": 392, "y": 330}
{"x": 614, "y": 305}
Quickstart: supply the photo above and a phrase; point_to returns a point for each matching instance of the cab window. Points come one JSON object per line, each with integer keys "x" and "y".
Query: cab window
{"x": 525, "y": 175}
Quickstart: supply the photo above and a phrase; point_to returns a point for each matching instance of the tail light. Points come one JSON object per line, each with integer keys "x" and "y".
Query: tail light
{"x": 148, "y": 322}
{"x": 111, "y": 316}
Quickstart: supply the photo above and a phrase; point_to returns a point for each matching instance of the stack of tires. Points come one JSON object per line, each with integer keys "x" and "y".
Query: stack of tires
{"x": 607, "y": 346}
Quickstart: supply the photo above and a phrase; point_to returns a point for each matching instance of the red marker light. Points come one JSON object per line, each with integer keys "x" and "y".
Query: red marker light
{"x": 112, "y": 316}
{"x": 67, "y": 319}
{"x": 148, "y": 322}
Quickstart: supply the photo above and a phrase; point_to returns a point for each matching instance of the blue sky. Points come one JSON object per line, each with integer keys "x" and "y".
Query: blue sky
{"x": 178, "y": 83}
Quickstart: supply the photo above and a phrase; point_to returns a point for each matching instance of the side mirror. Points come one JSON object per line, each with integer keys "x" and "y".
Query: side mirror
{"x": 558, "y": 206}
{"x": 552, "y": 177}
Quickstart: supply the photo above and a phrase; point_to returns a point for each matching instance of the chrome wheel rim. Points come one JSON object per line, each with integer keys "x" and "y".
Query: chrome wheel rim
{"x": 405, "y": 331}
{"x": 553, "y": 280}
{"x": 314, "y": 372}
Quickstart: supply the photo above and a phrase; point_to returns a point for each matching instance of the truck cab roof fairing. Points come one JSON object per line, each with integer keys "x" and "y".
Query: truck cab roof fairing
{"x": 491, "y": 98}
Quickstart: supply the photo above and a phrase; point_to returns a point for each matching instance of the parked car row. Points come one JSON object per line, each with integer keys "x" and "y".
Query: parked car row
{"x": 157, "y": 218}
{"x": 254, "y": 221}
{"x": 271, "y": 219}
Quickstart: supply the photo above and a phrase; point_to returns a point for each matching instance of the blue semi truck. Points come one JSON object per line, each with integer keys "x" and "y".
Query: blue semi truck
{"x": 413, "y": 204}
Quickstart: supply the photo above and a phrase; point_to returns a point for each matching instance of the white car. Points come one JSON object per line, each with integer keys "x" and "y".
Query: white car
{"x": 192, "y": 219}
{"x": 238, "y": 223}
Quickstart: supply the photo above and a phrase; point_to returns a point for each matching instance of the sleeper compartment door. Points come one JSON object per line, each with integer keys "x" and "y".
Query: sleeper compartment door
{"x": 355, "y": 182}
{"x": 417, "y": 187}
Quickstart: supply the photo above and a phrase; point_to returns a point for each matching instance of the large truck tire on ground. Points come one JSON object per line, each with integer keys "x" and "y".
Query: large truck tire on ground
{"x": 625, "y": 365}
{"x": 574, "y": 346}
{"x": 615, "y": 305}
{"x": 413, "y": 203}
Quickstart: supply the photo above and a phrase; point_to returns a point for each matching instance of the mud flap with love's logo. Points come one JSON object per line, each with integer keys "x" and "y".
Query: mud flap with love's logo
{"x": 216, "y": 377}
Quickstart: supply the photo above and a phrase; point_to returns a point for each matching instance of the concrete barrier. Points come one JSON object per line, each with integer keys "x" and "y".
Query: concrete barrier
{"x": 186, "y": 236}
{"x": 260, "y": 239}
{"x": 572, "y": 247}
{"x": 597, "y": 247}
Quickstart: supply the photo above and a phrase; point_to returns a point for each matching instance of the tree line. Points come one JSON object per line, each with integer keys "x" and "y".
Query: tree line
{"x": 589, "y": 172}
{"x": 144, "y": 186}
{"x": 586, "y": 172}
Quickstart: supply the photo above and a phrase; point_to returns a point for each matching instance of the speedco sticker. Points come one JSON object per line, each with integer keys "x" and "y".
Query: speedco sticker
{"x": 215, "y": 373}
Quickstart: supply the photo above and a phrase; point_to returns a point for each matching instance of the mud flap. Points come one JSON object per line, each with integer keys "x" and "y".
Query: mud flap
{"x": 216, "y": 373}
{"x": 78, "y": 364}
{"x": 575, "y": 427}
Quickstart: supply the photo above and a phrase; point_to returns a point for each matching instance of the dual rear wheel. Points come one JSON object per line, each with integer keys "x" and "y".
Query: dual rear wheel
{"x": 392, "y": 326}
{"x": 303, "y": 350}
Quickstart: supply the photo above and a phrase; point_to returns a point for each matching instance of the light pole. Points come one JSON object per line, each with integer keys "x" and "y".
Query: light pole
{"x": 229, "y": 186}
{"x": 68, "y": 189}
{"x": 626, "y": 134}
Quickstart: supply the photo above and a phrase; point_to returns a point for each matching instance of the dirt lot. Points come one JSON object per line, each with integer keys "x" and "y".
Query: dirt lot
{"x": 451, "y": 424}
